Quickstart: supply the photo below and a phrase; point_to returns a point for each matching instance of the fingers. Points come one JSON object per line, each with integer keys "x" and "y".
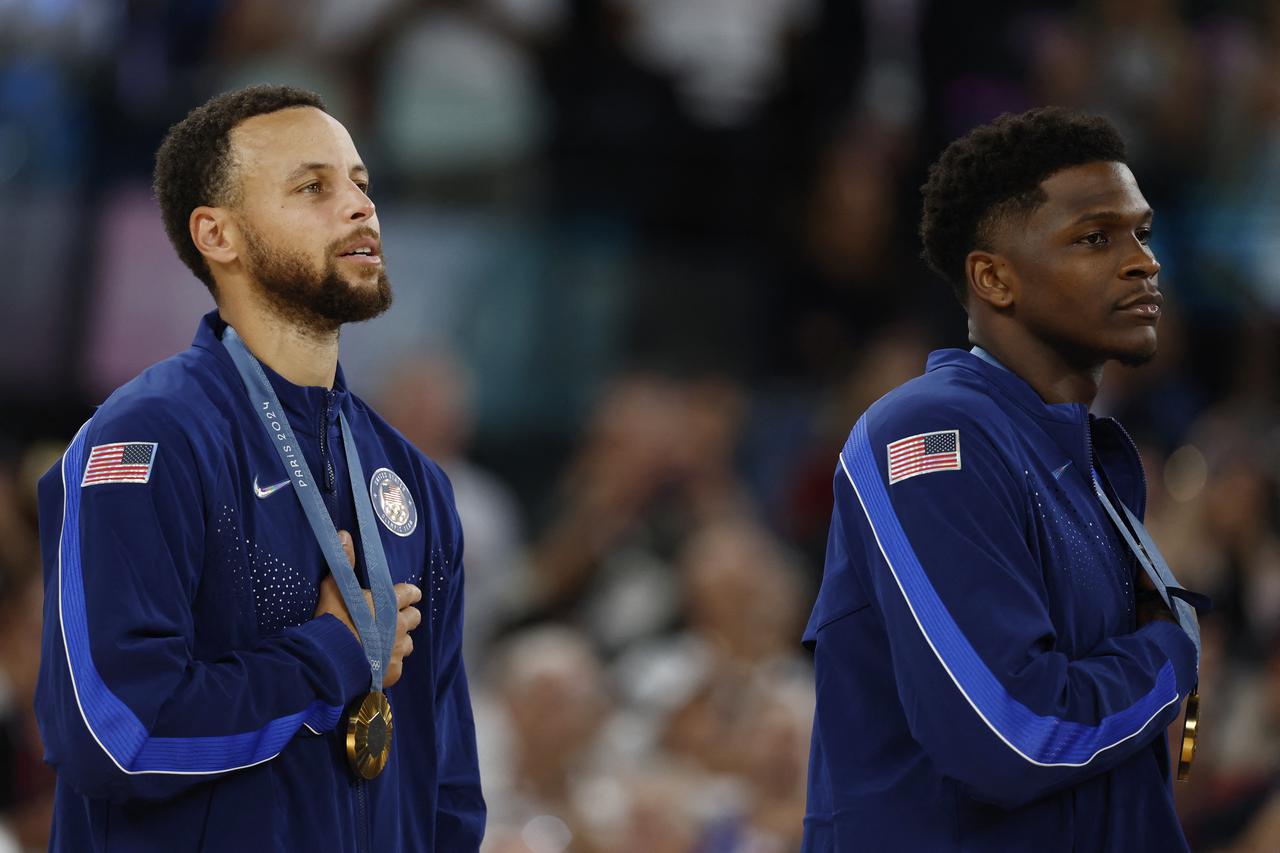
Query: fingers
{"x": 348, "y": 546}
{"x": 408, "y": 619}
{"x": 402, "y": 649}
{"x": 406, "y": 594}
{"x": 330, "y": 601}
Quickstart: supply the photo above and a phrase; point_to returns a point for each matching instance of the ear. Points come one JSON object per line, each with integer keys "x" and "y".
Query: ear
{"x": 214, "y": 233}
{"x": 991, "y": 279}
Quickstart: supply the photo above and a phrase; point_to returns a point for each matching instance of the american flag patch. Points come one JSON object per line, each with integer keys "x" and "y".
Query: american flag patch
{"x": 924, "y": 454}
{"x": 123, "y": 462}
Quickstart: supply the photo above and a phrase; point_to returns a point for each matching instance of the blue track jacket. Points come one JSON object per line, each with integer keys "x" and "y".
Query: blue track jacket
{"x": 982, "y": 684}
{"x": 187, "y": 698}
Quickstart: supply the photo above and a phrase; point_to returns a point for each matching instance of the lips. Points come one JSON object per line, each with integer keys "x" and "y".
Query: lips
{"x": 1155, "y": 300}
{"x": 1146, "y": 304}
{"x": 366, "y": 249}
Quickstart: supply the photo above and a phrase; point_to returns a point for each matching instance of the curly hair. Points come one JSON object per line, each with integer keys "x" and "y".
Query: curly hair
{"x": 995, "y": 171}
{"x": 194, "y": 163}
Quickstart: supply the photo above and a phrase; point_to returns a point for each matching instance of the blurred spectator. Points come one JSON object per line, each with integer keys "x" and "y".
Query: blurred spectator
{"x": 801, "y": 491}
{"x": 658, "y": 461}
{"x": 459, "y": 97}
{"x": 26, "y": 783}
{"x": 429, "y": 400}
{"x": 731, "y": 696}
{"x": 539, "y": 741}
{"x": 725, "y": 56}
{"x": 846, "y": 284}
{"x": 1239, "y": 246}
{"x": 1147, "y": 78}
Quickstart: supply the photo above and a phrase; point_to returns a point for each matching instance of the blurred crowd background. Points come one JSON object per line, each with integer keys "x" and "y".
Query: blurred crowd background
{"x": 652, "y": 258}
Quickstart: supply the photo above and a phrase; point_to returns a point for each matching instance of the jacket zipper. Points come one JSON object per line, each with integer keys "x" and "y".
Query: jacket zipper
{"x": 1133, "y": 445}
{"x": 325, "y": 450}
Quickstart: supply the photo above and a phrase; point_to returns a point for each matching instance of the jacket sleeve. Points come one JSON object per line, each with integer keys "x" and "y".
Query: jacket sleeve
{"x": 125, "y": 709}
{"x": 965, "y": 606}
{"x": 460, "y": 806}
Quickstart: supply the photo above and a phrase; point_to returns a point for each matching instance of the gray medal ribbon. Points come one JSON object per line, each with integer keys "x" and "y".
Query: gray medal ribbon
{"x": 1151, "y": 560}
{"x": 376, "y": 636}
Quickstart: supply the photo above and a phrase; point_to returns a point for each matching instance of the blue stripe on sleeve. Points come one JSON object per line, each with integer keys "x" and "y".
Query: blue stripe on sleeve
{"x": 1041, "y": 740}
{"x": 113, "y": 725}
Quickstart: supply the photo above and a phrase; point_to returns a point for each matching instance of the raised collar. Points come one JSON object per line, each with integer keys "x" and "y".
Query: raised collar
{"x": 1010, "y": 384}
{"x": 1072, "y": 427}
{"x": 305, "y": 405}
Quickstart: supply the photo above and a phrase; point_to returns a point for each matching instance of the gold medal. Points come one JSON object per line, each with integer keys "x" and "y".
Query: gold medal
{"x": 1189, "y": 724}
{"x": 369, "y": 735}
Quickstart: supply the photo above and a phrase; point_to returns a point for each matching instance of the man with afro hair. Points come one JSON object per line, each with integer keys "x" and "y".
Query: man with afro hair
{"x": 999, "y": 646}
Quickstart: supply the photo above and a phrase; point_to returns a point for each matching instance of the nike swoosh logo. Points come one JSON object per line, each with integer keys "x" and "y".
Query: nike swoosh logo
{"x": 1058, "y": 472}
{"x": 269, "y": 490}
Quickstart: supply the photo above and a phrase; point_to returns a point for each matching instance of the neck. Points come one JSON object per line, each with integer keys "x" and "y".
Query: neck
{"x": 300, "y": 354}
{"x": 1053, "y": 376}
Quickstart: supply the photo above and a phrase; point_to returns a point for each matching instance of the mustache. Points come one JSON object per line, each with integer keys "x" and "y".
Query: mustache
{"x": 363, "y": 231}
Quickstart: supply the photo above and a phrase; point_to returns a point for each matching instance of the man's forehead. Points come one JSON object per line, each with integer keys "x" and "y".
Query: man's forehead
{"x": 281, "y": 140}
{"x": 1101, "y": 186}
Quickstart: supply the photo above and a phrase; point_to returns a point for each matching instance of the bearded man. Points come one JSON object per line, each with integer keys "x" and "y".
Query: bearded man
{"x": 239, "y": 553}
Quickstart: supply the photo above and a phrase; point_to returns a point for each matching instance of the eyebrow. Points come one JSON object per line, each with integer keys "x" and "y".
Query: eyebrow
{"x": 306, "y": 168}
{"x": 1109, "y": 216}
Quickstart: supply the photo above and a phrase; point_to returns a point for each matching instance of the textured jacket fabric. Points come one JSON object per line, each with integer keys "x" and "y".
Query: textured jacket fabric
{"x": 981, "y": 680}
{"x": 187, "y": 698}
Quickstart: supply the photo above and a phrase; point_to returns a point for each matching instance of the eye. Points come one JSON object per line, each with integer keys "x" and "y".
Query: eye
{"x": 1143, "y": 234}
{"x": 313, "y": 187}
{"x": 364, "y": 186}
{"x": 1094, "y": 238}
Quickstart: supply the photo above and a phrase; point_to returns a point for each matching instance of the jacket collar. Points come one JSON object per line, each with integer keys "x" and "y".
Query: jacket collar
{"x": 1012, "y": 386}
{"x": 1077, "y": 432}
{"x": 305, "y": 405}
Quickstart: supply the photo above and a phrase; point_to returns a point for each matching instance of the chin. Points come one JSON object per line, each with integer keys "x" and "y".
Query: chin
{"x": 366, "y": 279}
{"x": 1136, "y": 356}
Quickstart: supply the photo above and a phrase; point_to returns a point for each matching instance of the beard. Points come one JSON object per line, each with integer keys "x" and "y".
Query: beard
{"x": 316, "y": 301}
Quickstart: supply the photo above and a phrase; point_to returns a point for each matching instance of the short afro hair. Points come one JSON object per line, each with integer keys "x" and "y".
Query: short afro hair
{"x": 193, "y": 165}
{"x": 996, "y": 170}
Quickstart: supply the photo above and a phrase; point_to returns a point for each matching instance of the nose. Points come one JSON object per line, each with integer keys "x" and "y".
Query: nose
{"x": 359, "y": 206}
{"x": 1143, "y": 264}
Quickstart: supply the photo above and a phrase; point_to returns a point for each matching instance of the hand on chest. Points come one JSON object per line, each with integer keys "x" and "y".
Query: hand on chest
{"x": 283, "y": 562}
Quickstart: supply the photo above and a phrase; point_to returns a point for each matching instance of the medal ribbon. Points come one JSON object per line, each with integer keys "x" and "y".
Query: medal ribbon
{"x": 1152, "y": 561}
{"x": 376, "y": 636}
{"x": 1181, "y": 602}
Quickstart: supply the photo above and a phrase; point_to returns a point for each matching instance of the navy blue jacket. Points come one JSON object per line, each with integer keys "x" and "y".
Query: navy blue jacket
{"x": 187, "y": 698}
{"x": 981, "y": 680}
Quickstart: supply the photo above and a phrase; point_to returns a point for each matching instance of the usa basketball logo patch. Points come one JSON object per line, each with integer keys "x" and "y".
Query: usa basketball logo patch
{"x": 392, "y": 502}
